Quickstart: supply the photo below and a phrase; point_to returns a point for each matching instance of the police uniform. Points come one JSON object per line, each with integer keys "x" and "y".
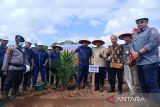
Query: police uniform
{"x": 116, "y": 66}
{"x": 147, "y": 65}
{"x": 40, "y": 57}
{"x": 84, "y": 54}
{"x": 2, "y": 53}
{"x": 14, "y": 62}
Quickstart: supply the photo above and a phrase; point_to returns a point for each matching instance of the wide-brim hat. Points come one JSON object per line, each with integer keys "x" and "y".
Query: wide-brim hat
{"x": 95, "y": 42}
{"x": 58, "y": 46}
{"x": 125, "y": 34}
{"x": 137, "y": 20}
{"x": 86, "y": 41}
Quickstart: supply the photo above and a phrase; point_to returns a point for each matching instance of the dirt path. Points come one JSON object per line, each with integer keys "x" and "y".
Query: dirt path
{"x": 70, "y": 98}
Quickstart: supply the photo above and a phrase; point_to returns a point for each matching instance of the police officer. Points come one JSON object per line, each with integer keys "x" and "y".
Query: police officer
{"x": 98, "y": 58}
{"x": 116, "y": 64}
{"x": 84, "y": 55}
{"x": 54, "y": 57}
{"x": 14, "y": 62}
{"x": 29, "y": 55}
{"x": 3, "y": 48}
{"x": 145, "y": 51}
{"x": 40, "y": 63}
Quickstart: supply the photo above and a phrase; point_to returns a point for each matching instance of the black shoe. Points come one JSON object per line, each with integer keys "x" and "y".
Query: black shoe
{"x": 120, "y": 92}
{"x": 84, "y": 85}
{"x": 5, "y": 95}
{"x": 24, "y": 88}
{"x": 100, "y": 88}
{"x": 97, "y": 88}
{"x": 78, "y": 86}
{"x": 111, "y": 90}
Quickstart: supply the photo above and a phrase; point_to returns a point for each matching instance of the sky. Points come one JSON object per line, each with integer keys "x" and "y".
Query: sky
{"x": 50, "y": 21}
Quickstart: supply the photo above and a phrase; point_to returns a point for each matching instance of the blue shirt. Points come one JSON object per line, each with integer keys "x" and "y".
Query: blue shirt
{"x": 40, "y": 57}
{"x": 54, "y": 56}
{"x": 29, "y": 54}
{"x": 148, "y": 38}
{"x": 2, "y": 53}
{"x": 84, "y": 54}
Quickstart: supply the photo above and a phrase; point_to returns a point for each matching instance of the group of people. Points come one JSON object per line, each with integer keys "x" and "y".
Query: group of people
{"x": 22, "y": 63}
{"x": 138, "y": 59}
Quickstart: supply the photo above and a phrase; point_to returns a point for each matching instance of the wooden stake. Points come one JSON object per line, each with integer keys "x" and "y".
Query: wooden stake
{"x": 93, "y": 81}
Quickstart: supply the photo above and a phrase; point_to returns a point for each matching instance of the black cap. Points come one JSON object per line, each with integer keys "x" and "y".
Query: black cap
{"x": 137, "y": 20}
{"x": 20, "y": 38}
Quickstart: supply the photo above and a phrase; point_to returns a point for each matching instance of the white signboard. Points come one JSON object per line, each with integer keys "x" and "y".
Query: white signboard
{"x": 93, "y": 68}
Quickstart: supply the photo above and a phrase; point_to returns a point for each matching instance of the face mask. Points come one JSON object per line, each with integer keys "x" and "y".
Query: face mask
{"x": 20, "y": 44}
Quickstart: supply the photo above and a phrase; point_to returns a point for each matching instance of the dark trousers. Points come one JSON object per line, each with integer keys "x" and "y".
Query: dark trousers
{"x": 113, "y": 72}
{"x": 36, "y": 71}
{"x": 27, "y": 79}
{"x": 82, "y": 73}
{"x": 147, "y": 75}
{"x": 3, "y": 77}
{"x": 54, "y": 75}
{"x": 47, "y": 74}
{"x": 14, "y": 79}
{"x": 159, "y": 75}
{"x": 99, "y": 77}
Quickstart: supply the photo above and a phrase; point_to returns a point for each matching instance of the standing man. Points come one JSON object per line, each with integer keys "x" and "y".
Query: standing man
{"x": 48, "y": 65}
{"x": 159, "y": 69}
{"x": 145, "y": 51}
{"x": 27, "y": 75}
{"x": 98, "y": 58}
{"x": 40, "y": 62}
{"x": 116, "y": 64}
{"x": 84, "y": 55}
{"x": 130, "y": 71}
{"x": 54, "y": 58}
{"x": 14, "y": 62}
{"x": 3, "y": 48}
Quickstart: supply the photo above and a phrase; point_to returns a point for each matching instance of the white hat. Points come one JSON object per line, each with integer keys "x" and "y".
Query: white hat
{"x": 49, "y": 48}
{"x": 33, "y": 46}
{"x": 28, "y": 40}
{"x": 4, "y": 38}
{"x": 40, "y": 43}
